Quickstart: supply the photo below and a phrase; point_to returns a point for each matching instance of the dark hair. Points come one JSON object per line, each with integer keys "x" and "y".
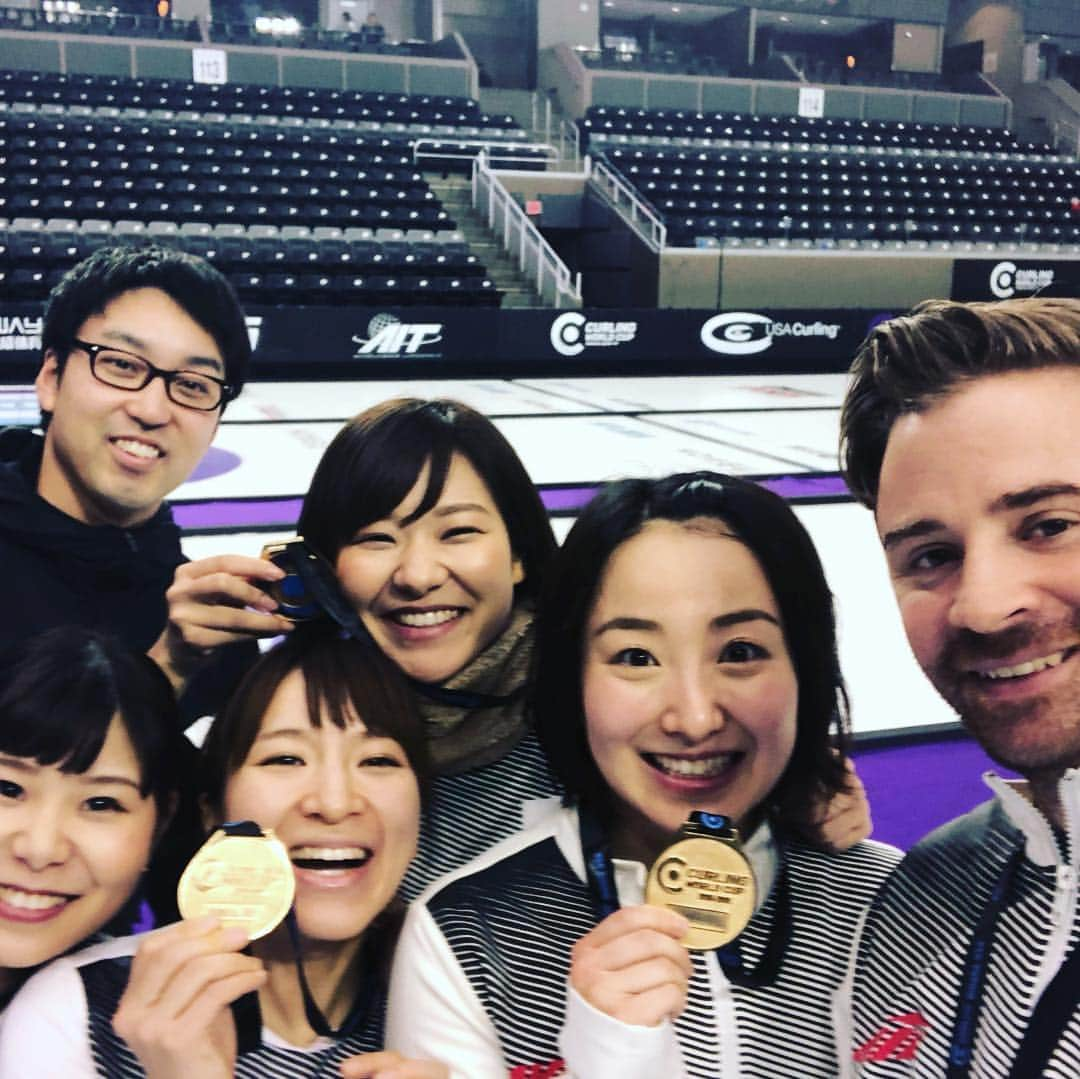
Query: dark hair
{"x": 908, "y": 363}
{"x": 63, "y": 688}
{"x": 773, "y": 534}
{"x": 375, "y": 459}
{"x": 341, "y": 675}
{"x": 201, "y": 290}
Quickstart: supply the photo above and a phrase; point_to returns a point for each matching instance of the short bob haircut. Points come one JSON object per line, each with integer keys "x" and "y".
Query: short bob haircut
{"x": 773, "y": 534}
{"x": 908, "y": 363}
{"x": 191, "y": 282}
{"x": 343, "y": 678}
{"x": 375, "y": 459}
{"x": 63, "y": 688}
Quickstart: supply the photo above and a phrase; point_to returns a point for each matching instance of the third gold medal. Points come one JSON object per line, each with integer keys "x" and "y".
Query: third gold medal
{"x": 705, "y": 877}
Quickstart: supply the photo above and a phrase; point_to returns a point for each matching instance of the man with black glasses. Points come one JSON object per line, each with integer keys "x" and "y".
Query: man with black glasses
{"x": 143, "y": 348}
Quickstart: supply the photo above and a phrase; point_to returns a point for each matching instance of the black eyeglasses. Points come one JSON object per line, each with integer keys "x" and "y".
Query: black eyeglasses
{"x": 129, "y": 371}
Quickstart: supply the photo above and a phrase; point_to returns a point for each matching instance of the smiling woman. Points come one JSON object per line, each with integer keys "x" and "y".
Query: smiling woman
{"x": 687, "y": 682}
{"x": 320, "y": 747}
{"x": 441, "y": 542}
{"x": 91, "y": 763}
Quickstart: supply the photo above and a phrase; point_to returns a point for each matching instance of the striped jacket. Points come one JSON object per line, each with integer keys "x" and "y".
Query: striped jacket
{"x": 480, "y": 977}
{"x": 59, "y": 1026}
{"x": 913, "y": 948}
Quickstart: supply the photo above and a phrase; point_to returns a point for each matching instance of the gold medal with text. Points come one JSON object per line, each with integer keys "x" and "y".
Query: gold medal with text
{"x": 241, "y": 875}
{"x": 704, "y": 877}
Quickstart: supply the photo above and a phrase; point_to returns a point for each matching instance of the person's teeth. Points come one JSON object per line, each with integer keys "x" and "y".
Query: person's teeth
{"x": 16, "y": 897}
{"x": 698, "y": 767}
{"x": 1032, "y": 666}
{"x": 425, "y": 618}
{"x": 138, "y": 449}
{"x": 330, "y": 854}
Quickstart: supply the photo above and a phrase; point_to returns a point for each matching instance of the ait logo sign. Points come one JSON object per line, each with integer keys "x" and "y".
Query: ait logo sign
{"x": 387, "y": 335}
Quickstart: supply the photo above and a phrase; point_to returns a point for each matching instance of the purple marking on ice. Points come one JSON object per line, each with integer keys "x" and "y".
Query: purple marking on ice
{"x": 562, "y": 499}
{"x": 215, "y": 463}
{"x": 226, "y": 514}
{"x": 830, "y": 486}
{"x": 282, "y": 513}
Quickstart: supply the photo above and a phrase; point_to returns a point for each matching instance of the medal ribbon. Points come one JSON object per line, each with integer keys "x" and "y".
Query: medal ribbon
{"x": 600, "y": 874}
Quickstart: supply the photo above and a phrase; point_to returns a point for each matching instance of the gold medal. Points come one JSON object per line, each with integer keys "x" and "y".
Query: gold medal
{"x": 241, "y": 875}
{"x": 704, "y": 877}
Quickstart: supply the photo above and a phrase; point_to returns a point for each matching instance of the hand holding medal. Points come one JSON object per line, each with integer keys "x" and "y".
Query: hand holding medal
{"x": 704, "y": 877}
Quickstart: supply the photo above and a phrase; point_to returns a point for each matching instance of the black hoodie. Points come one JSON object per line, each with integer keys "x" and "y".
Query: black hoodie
{"x": 59, "y": 571}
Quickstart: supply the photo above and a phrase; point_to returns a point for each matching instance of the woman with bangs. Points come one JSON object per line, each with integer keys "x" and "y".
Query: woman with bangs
{"x": 321, "y": 747}
{"x": 440, "y": 543}
{"x": 705, "y": 696}
{"x": 92, "y": 770}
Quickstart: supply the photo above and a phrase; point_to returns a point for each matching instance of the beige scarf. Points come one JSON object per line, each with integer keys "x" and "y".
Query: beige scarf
{"x": 461, "y": 739}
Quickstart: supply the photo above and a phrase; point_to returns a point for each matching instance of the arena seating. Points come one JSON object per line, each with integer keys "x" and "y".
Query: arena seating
{"x": 603, "y": 124}
{"x": 740, "y": 178}
{"x": 295, "y": 207}
{"x": 428, "y": 114}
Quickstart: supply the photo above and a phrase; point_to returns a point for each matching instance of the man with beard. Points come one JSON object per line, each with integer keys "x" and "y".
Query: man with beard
{"x": 961, "y": 431}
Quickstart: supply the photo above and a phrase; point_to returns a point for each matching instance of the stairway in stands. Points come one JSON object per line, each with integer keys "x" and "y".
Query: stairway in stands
{"x": 455, "y": 194}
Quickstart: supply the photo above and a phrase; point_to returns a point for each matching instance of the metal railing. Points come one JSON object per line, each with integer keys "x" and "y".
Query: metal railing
{"x": 536, "y": 258}
{"x": 623, "y": 197}
{"x": 533, "y": 155}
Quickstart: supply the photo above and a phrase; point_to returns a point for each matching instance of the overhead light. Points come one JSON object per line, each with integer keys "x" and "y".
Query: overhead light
{"x": 675, "y": 9}
{"x": 785, "y": 18}
{"x": 824, "y": 22}
{"x": 908, "y": 33}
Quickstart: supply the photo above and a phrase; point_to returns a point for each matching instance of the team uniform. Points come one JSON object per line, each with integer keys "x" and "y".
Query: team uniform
{"x": 488, "y": 763}
{"x": 914, "y": 949}
{"x": 480, "y": 975}
{"x": 60, "y": 1024}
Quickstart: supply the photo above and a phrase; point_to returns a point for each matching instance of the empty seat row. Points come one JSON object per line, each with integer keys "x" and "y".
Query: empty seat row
{"x": 604, "y": 121}
{"x": 42, "y": 88}
{"x": 284, "y": 288}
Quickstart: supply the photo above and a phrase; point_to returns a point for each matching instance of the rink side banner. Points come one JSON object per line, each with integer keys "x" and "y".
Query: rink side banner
{"x": 339, "y": 342}
{"x": 1009, "y": 278}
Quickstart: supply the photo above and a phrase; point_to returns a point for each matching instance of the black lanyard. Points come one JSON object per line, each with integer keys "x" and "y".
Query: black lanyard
{"x": 600, "y": 873}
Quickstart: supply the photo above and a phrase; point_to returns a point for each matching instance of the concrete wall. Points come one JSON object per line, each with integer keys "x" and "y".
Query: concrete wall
{"x": 578, "y": 86}
{"x": 917, "y": 47}
{"x": 1000, "y": 26}
{"x": 501, "y": 35}
{"x": 567, "y": 22}
{"x": 84, "y": 54}
{"x": 787, "y": 278}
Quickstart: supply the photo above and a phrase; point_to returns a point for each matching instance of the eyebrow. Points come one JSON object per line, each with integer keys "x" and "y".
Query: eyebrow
{"x": 460, "y": 507}
{"x": 1011, "y": 500}
{"x": 107, "y": 780}
{"x": 722, "y": 621}
{"x": 141, "y": 346}
{"x": 20, "y": 764}
{"x": 28, "y": 767}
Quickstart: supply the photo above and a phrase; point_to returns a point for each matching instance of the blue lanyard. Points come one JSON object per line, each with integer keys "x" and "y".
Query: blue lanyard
{"x": 976, "y": 964}
{"x": 600, "y": 873}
